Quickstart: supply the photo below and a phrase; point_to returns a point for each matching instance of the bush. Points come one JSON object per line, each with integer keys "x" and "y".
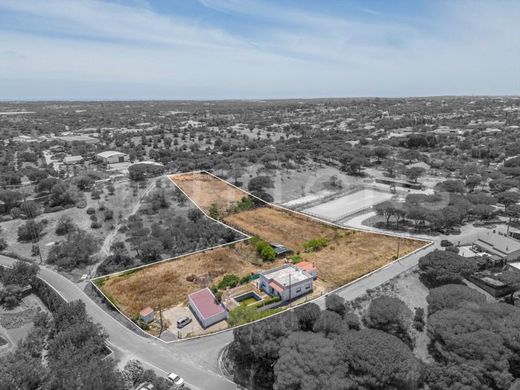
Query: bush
{"x": 296, "y": 259}
{"x": 108, "y": 215}
{"x": 335, "y": 303}
{"x": 3, "y": 244}
{"x": 64, "y": 226}
{"x": 91, "y": 210}
{"x": 96, "y": 225}
{"x": 214, "y": 212}
{"x": 315, "y": 244}
{"x": 263, "y": 249}
{"x": 30, "y": 230}
{"x": 418, "y": 319}
{"x": 229, "y": 280}
{"x": 244, "y": 204}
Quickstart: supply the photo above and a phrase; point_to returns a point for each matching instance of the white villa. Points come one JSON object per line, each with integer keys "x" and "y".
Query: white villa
{"x": 287, "y": 282}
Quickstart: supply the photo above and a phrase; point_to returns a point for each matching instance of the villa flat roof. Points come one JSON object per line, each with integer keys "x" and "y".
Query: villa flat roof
{"x": 286, "y": 275}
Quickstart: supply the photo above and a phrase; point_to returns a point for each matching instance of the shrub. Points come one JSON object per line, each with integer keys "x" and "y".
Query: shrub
{"x": 263, "y": 249}
{"x": 95, "y": 225}
{"x": 296, "y": 259}
{"x": 214, "y": 212}
{"x": 108, "y": 215}
{"x": 30, "y": 230}
{"x": 64, "y": 226}
{"x": 315, "y": 244}
{"x": 244, "y": 204}
{"x": 418, "y": 319}
{"x": 229, "y": 280}
{"x": 245, "y": 279}
{"x": 91, "y": 210}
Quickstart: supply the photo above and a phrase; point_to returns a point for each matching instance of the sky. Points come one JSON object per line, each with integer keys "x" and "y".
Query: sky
{"x": 257, "y": 49}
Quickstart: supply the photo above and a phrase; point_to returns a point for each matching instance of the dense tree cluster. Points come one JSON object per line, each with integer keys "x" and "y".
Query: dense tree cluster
{"x": 445, "y": 267}
{"x": 75, "y": 251}
{"x": 312, "y": 349}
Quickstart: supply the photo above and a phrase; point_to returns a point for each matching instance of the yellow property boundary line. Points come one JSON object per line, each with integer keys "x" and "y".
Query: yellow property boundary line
{"x": 247, "y": 237}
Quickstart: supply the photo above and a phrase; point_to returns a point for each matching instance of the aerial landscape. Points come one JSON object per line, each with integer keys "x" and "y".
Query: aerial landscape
{"x": 216, "y": 194}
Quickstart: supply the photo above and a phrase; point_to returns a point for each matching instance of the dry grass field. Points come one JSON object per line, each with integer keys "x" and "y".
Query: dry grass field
{"x": 349, "y": 254}
{"x": 206, "y": 190}
{"x": 168, "y": 283}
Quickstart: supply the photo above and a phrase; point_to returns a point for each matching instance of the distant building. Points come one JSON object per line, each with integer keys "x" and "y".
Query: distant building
{"x": 491, "y": 284}
{"x": 206, "y": 308}
{"x": 69, "y": 139}
{"x": 288, "y": 282}
{"x": 72, "y": 160}
{"x": 147, "y": 315}
{"x": 112, "y": 157}
{"x": 498, "y": 245}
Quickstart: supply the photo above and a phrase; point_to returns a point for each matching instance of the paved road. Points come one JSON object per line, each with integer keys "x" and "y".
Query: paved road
{"x": 195, "y": 360}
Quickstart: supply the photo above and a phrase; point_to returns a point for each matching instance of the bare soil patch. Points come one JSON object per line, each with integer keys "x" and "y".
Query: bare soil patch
{"x": 168, "y": 283}
{"x": 206, "y": 190}
{"x": 349, "y": 254}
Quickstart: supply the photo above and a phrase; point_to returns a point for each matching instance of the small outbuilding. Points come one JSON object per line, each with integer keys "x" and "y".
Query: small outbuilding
{"x": 309, "y": 267}
{"x": 72, "y": 160}
{"x": 206, "y": 307}
{"x": 147, "y": 315}
{"x": 281, "y": 250}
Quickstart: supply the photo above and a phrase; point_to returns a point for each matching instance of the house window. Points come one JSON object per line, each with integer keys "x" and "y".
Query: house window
{"x": 307, "y": 287}
{"x": 263, "y": 285}
{"x": 298, "y": 290}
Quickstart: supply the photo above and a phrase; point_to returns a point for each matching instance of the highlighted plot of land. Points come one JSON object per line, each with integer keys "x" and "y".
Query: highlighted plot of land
{"x": 207, "y": 191}
{"x": 246, "y": 277}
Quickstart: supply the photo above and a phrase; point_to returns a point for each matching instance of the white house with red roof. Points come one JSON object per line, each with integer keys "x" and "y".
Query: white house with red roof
{"x": 206, "y": 307}
{"x": 288, "y": 281}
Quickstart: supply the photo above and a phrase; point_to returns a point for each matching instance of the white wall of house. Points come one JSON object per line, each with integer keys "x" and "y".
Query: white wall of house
{"x": 207, "y": 322}
{"x": 296, "y": 290}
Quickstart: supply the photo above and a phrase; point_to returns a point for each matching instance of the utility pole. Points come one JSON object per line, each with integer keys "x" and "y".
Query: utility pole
{"x": 290, "y": 289}
{"x": 398, "y": 245}
{"x": 160, "y": 318}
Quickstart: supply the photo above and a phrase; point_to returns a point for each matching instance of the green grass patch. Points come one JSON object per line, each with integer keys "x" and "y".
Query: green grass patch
{"x": 315, "y": 244}
{"x": 245, "y": 314}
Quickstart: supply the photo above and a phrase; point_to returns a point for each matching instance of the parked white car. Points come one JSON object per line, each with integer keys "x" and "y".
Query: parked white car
{"x": 176, "y": 380}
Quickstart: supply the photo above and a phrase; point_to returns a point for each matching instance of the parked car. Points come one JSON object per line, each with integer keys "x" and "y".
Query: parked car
{"x": 177, "y": 381}
{"x": 182, "y": 322}
{"x": 446, "y": 243}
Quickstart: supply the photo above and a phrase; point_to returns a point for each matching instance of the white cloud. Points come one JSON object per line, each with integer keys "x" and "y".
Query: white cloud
{"x": 132, "y": 52}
